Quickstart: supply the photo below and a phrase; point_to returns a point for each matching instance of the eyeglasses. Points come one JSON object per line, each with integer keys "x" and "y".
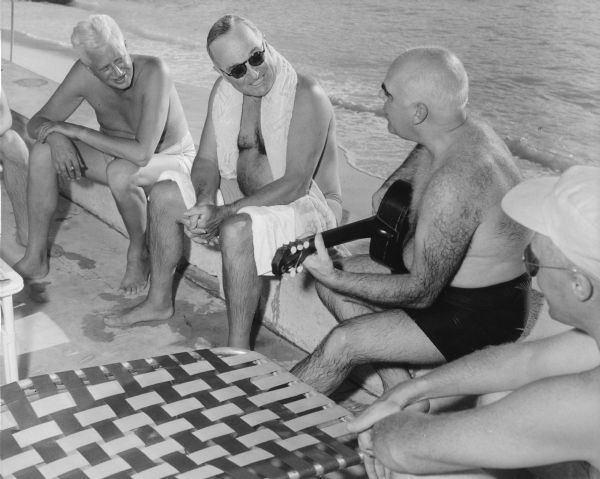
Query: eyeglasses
{"x": 239, "y": 71}
{"x": 532, "y": 263}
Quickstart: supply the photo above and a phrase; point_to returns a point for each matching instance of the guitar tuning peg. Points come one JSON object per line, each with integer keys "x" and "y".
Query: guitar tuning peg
{"x": 306, "y": 244}
{"x": 293, "y": 273}
{"x": 300, "y": 247}
{"x": 293, "y": 249}
{"x": 299, "y": 269}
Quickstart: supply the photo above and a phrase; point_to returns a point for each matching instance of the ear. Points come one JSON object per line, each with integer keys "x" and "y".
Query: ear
{"x": 581, "y": 286}
{"x": 421, "y": 113}
{"x": 220, "y": 72}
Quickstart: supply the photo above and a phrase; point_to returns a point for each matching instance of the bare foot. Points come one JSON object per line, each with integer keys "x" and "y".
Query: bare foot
{"x": 143, "y": 312}
{"x": 30, "y": 269}
{"x": 136, "y": 277}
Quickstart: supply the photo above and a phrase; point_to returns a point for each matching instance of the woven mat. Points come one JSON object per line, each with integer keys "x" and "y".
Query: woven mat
{"x": 208, "y": 413}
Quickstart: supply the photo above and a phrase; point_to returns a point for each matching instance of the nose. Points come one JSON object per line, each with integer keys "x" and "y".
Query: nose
{"x": 252, "y": 73}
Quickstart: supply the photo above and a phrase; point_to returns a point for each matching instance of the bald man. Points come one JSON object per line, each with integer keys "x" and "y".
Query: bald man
{"x": 464, "y": 286}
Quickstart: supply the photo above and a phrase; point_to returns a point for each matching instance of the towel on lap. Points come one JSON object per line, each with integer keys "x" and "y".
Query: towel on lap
{"x": 272, "y": 226}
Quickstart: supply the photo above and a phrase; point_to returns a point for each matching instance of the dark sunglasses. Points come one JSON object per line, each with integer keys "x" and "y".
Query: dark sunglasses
{"x": 532, "y": 263}
{"x": 239, "y": 71}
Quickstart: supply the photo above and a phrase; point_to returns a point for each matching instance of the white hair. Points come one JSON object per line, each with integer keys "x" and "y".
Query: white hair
{"x": 93, "y": 33}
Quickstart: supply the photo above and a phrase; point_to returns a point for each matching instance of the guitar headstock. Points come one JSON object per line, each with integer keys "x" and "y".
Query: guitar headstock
{"x": 289, "y": 257}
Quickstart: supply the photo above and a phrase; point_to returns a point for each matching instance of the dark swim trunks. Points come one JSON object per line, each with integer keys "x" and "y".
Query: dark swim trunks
{"x": 463, "y": 320}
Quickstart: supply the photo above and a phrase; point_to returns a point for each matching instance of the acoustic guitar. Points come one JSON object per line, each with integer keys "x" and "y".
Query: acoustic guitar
{"x": 387, "y": 230}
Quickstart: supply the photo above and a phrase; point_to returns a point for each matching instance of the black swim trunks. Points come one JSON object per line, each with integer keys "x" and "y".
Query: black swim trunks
{"x": 463, "y": 320}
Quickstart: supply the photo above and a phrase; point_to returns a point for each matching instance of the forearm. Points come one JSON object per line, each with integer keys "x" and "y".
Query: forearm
{"x": 127, "y": 148}
{"x": 401, "y": 444}
{"x": 493, "y": 369}
{"x": 392, "y": 291}
{"x": 501, "y": 368}
{"x": 206, "y": 180}
{"x": 279, "y": 192}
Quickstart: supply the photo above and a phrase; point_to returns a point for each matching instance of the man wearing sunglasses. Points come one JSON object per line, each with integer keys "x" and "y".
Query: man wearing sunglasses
{"x": 266, "y": 173}
{"x": 553, "y": 414}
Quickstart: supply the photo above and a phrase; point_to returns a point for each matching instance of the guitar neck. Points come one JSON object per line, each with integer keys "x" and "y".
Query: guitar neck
{"x": 349, "y": 232}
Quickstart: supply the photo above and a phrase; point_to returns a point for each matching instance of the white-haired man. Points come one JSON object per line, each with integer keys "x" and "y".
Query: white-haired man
{"x": 143, "y": 132}
{"x": 553, "y": 414}
{"x": 464, "y": 285}
{"x": 266, "y": 173}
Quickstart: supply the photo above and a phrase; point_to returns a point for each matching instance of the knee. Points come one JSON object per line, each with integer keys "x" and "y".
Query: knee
{"x": 40, "y": 154}
{"x": 121, "y": 175}
{"x": 11, "y": 141}
{"x": 339, "y": 341}
{"x": 165, "y": 199}
{"x": 236, "y": 232}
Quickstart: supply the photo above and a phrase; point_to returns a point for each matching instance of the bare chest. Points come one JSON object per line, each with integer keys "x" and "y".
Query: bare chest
{"x": 253, "y": 168}
{"x": 117, "y": 113}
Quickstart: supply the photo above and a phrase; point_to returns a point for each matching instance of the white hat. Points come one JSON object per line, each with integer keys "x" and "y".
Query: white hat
{"x": 566, "y": 209}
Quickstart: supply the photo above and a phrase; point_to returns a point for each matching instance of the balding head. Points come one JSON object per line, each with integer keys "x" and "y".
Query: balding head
{"x": 433, "y": 76}
{"x": 224, "y": 25}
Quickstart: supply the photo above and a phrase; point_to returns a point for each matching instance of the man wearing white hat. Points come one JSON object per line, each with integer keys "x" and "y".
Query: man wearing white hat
{"x": 552, "y": 414}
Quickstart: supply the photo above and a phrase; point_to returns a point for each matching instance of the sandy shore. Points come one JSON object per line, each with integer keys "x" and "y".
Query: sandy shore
{"x": 54, "y": 63}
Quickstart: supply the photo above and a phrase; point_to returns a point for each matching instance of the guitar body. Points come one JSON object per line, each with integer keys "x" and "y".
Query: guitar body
{"x": 387, "y": 230}
{"x": 387, "y": 241}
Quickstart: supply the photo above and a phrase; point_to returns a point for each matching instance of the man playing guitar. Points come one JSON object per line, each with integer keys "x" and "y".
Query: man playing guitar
{"x": 466, "y": 286}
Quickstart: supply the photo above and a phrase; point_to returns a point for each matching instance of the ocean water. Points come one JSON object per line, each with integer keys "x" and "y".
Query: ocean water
{"x": 534, "y": 65}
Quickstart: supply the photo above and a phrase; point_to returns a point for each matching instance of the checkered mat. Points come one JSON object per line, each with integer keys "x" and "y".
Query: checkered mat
{"x": 209, "y": 413}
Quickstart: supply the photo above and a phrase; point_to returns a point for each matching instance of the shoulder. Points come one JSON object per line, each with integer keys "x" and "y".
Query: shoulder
{"x": 79, "y": 72}
{"x": 310, "y": 96}
{"x": 214, "y": 91}
{"x": 149, "y": 67}
{"x": 78, "y": 80}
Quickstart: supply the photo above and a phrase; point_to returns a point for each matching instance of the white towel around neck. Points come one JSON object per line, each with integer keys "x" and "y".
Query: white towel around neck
{"x": 275, "y": 116}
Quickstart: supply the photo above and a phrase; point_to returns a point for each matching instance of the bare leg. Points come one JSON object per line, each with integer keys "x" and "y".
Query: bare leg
{"x": 165, "y": 237}
{"x": 131, "y": 202}
{"x": 14, "y": 157}
{"x": 344, "y": 307}
{"x": 384, "y": 337}
{"x": 241, "y": 282}
{"x": 42, "y": 198}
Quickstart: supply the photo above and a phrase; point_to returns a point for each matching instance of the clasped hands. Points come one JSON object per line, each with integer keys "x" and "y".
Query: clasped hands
{"x": 201, "y": 223}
